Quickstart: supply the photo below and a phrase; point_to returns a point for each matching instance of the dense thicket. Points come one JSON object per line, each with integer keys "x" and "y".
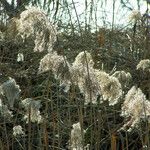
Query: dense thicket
{"x": 59, "y": 111}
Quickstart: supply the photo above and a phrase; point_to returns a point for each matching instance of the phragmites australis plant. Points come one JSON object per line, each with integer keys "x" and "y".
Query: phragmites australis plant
{"x": 136, "y": 107}
{"x": 135, "y": 16}
{"x": 32, "y": 110}
{"x": 82, "y": 73}
{"x": 34, "y": 23}
{"x": 5, "y": 113}
{"x": 59, "y": 67}
{"x": 144, "y": 65}
{"x": 20, "y": 57}
{"x": 76, "y": 137}
{"x": 44, "y": 109}
{"x": 18, "y": 131}
{"x": 90, "y": 81}
{"x": 124, "y": 77}
{"x": 12, "y": 91}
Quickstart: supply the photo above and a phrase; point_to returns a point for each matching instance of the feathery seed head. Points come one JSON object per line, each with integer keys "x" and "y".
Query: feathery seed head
{"x": 144, "y": 65}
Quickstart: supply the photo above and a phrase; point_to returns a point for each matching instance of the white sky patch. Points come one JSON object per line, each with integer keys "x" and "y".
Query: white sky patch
{"x": 102, "y": 10}
{"x": 105, "y": 11}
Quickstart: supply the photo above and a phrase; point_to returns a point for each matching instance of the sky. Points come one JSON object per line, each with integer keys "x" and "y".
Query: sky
{"x": 104, "y": 12}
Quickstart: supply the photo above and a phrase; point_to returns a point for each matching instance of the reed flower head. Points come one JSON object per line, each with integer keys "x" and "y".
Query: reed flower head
{"x": 1, "y": 36}
{"x": 5, "y": 112}
{"x": 83, "y": 75}
{"x": 144, "y": 65}
{"x": 76, "y": 140}
{"x": 83, "y": 58}
{"x": 82, "y": 65}
{"x": 135, "y": 107}
{"x": 33, "y": 22}
{"x": 20, "y": 57}
{"x": 89, "y": 86}
{"x": 11, "y": 90}
{"x": 90, "y": 81}
{"x": 32, "y": 110}
{"x": 17, "y": 131}
{"x": 135, "y": 16}
{"x": 59, "y": 67}
{"x": 123, "y": 77}
{"x": 110, "y": 87}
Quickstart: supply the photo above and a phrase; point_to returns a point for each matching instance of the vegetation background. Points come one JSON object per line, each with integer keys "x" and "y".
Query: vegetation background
{"x": 112, "y": 46}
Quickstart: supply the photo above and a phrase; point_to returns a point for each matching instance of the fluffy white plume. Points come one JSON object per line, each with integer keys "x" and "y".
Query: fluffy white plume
{"x": 83, "y": 75}
{"x": 123, "y": 77}
{"x": 110, "y": 87}
{"x": 76, "y": 139}
{"x": 135, "y": 107}
{"x": 5, "y": 112}
{"x": 59, "y": 67}
{"x": 1, "y": 36}
{"x": 17, "y": 131}
{"x": 144, "y": 65}
{"x": 20, "y": 57}
{"x": 34, "y": 22}
{"x": 135, "y": 16}
{"x": 84, "y": 58}
{"x": 32, "y": 110}
{"x": 90, "y": 81}
{"x": 11, "y": 90}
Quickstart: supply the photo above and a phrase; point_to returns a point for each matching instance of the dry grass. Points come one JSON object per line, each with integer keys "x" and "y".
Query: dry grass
{"x": 112, "y": 50}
